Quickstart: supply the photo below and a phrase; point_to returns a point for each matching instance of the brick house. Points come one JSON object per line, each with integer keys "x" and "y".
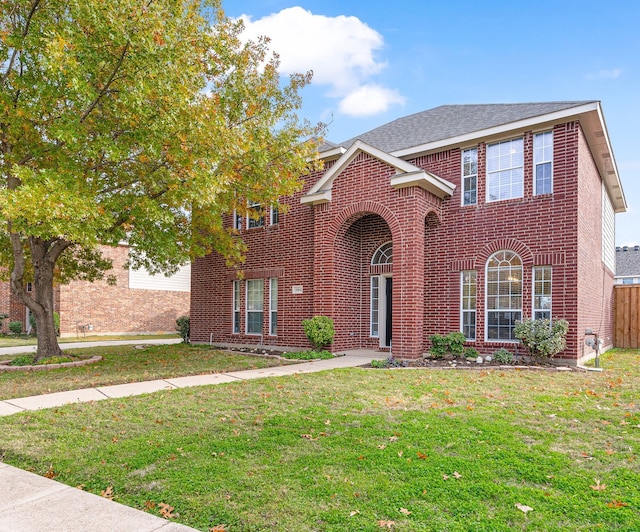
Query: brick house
{"x": 459, "y": 218}
{"x": 137, "y": 303}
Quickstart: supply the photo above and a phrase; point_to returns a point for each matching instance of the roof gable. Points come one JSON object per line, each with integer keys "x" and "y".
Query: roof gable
{"x": 406, "y": 175}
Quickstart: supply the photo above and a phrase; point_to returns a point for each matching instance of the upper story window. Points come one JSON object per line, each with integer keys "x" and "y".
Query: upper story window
{"x": 275, "y": 215}
{"x": 543, "y": 163}
{"x": 470, "y": 176}
{"x": 505, "y": 175}
{"x": 256, "y": 217}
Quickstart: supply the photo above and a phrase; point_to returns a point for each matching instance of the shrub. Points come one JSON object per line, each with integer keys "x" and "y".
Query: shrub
{"x": 56, "y": 323}
{"x": 319, "y": 331}
{"x": 542, "y": 338}
{"x": 183, "y": 326}
{"x": 470, "y": 352}
{"x": 504, "y": 356}
{"x": 16, "y": 327}
{"x": 452, "y": 343}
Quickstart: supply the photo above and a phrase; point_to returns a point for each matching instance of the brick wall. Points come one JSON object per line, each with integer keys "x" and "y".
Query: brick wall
{"x": 595, "y": 280}
{"x": 327, "y": 249}
{"x": 118, "y": 309}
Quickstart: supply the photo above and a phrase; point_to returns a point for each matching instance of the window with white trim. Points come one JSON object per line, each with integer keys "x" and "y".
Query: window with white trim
{"x": 468, "y": 281}
{"x": 236, "y": 307}
{"x": 543, "y": 163}
{"x": 238, "y": 221}
{"x": 255, "y": 218}
{"x": 542, "y": 293}
{"x": 470, "y": 176}
{"x": 255, "y": 306}
{"x": 375, "y": 306}
{"x": 273, "y": 306}
{"x": 504, "y": 295}
{"x": 383, "y": 255}
{"x": 274, "y": 219}
{"x": 505, "y": 170}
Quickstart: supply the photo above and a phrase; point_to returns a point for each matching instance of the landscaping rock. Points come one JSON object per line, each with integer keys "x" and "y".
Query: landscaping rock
{"x": 479, "y": 360}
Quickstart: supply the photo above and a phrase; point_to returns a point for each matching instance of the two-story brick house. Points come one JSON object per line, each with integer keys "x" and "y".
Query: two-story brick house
{"x": 460, "y": 218}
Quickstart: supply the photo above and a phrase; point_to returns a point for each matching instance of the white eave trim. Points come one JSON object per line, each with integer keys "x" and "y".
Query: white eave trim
{"x": 425, "y": 180}
{"x": 332, "y": 153}
{"x": 322, "y": 196}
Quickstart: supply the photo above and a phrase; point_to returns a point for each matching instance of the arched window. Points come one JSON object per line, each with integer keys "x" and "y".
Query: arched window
{"x": 383, "y": 255}
{"x": 504, "y": 295}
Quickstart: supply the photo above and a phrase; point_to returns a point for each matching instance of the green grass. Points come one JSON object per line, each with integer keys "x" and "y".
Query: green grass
{"x": 13, "y": 341}
{"x": 308, "y": 355}
{"x": 122, "y": 364}
{"x": 354, "y": 449}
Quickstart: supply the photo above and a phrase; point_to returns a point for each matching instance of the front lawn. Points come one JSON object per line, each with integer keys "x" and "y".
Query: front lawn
{"x": 122, "y": 364}
{"x": 359, "y": 449}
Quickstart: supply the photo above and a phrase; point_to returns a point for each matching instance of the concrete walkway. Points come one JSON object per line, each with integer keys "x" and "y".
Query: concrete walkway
{"x": 31, "y": 503}
{"x": 17, "y": 350}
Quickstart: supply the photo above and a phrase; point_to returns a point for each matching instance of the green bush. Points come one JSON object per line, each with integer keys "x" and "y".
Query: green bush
{"x": 452, "y": 343}
{"x": 504, "y": 356}
{"x": 16, "y": 327}
{"x": 183, "y": 326}
{"x": 319, "y": 331}
{"x": 470, "y": 352}
{"x": 56, "y": 323}
{"x": 542, "y": 338}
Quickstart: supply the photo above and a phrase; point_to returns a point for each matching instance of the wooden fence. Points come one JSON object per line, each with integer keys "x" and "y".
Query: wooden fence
{"x": 626, "y": 320}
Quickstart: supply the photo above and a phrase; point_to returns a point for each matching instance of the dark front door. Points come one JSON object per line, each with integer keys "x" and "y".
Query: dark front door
{"x": 389, "y": 299}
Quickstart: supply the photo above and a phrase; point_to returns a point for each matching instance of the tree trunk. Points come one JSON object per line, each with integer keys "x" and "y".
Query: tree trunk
{"x": 43, "y": 313}
{"x": 43, "y": 257}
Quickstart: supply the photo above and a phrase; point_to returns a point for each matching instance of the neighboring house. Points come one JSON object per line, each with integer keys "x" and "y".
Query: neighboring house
{"x": 137, "y": 303}
{"x": 460, "y": 218}
{"x": 628, "y": 265}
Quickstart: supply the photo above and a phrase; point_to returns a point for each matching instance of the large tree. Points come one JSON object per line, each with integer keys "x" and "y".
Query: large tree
{"x": 137, "y": 121}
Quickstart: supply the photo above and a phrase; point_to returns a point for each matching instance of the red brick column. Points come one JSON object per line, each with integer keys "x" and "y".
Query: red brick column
{"x": 323, "y": 262}
{"x": 408, "y": 288}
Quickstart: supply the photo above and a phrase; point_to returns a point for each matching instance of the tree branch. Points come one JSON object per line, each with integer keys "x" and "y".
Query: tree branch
{"x": 14, "y": 54}
{"x": 108, "y": 84}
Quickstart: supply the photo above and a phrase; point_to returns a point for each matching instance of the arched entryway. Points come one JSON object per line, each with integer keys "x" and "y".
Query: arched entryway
{"x": 363, "y": 283}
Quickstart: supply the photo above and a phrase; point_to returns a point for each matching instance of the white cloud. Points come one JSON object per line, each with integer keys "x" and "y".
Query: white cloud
{"x": 340, "y": 51}
{"x": 370, "y": 100}
{"x": 613, "y": 73}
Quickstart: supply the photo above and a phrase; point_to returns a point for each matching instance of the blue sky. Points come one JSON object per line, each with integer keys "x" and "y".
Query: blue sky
{"x": 374, "y": 61}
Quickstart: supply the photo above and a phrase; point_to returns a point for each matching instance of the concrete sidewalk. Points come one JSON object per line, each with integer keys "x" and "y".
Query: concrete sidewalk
{"x": 19, "y": 349}
{"x": 30, "y": 503}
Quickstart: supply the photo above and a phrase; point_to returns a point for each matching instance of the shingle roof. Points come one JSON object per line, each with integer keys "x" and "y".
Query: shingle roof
{"x": 628, "y": 261}
{"x": 449, "y": 121}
